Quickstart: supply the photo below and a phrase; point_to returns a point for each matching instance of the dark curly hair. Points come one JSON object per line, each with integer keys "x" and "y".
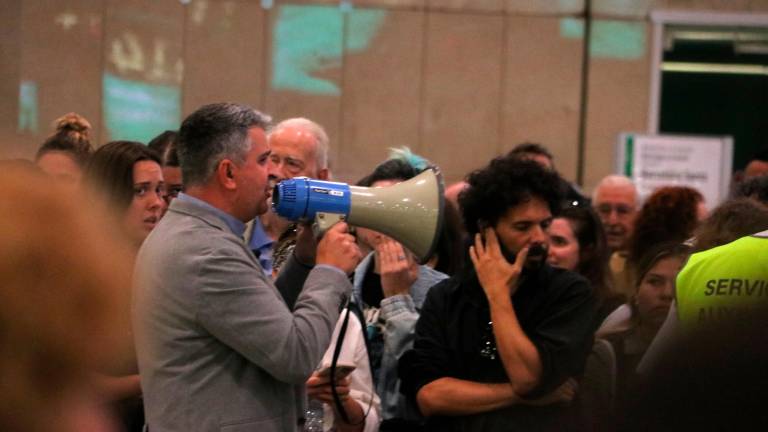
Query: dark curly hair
{"x": 670, "y": 214}
{"x": 529, "y": 148}
{"x": 506, "y": 183}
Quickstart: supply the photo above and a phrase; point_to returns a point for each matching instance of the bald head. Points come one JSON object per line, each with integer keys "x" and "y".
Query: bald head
{"x": 299, "y": 148}
{"x": 756, "y": 168}
{"x": 615, "y": 200}
{"x": 452, "y": 192}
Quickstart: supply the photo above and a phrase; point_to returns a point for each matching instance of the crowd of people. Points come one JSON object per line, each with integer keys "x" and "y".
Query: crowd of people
{"x": 150, "y": 286}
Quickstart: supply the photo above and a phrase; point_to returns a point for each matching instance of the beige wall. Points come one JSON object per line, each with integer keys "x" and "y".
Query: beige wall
{"x": 458, "y": 81}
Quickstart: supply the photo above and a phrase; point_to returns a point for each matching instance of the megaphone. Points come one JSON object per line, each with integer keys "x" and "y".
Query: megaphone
{"x": 411, "y": 212}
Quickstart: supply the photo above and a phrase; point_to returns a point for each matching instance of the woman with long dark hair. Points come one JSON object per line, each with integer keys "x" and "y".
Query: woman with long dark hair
{"x": 127, "y": 177}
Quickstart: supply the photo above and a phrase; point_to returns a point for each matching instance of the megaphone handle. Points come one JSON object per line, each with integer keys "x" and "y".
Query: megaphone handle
{"x": 324, "y": 221}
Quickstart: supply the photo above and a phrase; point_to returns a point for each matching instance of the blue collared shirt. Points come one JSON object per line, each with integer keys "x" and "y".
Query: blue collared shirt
{"x": 238, "y": 228}
{"x": 234, "y": 224}
{"x": 261, "y": 245}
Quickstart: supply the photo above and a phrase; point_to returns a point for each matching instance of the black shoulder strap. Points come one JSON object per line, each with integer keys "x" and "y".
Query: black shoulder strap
{"x": 334, "y": 360}
{"x": 355, "y": 308}
{"x": 351, "y": 308}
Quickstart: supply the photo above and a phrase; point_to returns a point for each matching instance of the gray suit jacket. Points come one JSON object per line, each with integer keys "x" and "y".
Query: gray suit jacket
{"x": 218, "y": 347}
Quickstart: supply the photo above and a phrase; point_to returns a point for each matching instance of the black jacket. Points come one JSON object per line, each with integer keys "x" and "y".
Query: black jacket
{"x": 555, "y": 309}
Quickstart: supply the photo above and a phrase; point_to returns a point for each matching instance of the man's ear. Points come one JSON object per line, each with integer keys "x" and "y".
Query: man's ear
{"x": 323, "y": 174}
{"x": 225, "y": 173}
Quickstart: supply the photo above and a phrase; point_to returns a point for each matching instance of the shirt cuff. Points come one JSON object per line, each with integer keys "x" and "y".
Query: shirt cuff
{"x": 333, "y": 268}
{"x": 392, "y": 306}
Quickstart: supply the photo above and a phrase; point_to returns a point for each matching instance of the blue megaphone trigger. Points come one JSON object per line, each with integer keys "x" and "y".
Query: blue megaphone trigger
{"x": 302, "y": 198}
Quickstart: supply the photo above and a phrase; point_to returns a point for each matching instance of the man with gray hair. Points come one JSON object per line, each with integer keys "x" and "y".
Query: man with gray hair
{"x": 299, "y": 149}
{"x": 616, "y": 202}
{"x": 219, "y": 348}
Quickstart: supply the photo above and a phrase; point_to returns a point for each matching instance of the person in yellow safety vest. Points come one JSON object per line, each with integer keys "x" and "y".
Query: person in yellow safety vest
{"x": 715, "y": 284}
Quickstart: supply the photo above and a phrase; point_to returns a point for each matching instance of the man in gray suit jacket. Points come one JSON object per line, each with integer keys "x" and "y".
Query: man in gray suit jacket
{"x": 218, "y": 347}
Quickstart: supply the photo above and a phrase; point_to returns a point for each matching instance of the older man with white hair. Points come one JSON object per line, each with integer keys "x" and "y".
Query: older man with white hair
{"x": 299, "y": 149}
{"x": 616, "y": 201}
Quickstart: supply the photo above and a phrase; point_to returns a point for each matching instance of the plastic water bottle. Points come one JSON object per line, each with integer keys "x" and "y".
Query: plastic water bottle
{"x": 313, "y": 417}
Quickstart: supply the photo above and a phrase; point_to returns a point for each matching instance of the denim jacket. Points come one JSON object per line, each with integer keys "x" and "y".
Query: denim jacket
{"x": 399, "y": 313}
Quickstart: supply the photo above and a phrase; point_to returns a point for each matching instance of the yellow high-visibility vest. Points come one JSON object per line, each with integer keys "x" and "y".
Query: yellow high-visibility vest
{"x": 718, "y": 283}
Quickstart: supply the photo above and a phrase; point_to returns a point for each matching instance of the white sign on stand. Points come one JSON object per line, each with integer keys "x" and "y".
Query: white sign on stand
{"x": 652, "y": 161}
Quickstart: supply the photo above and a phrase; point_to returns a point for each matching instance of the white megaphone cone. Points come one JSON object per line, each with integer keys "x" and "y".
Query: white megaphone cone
{"x": 410, "y": 212}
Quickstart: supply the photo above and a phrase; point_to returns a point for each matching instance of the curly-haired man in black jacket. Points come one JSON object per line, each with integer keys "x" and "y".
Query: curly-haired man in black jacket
{"x": 495, "y": 346}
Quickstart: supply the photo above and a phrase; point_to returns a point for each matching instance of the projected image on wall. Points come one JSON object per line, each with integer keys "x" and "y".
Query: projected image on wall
{"x": 28, "y": 107}
{"x": 138, "y": 111}
{"x": 141, "y": 83}
{"x": 307, "y": 41}
{"x": 610, "y": 39}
